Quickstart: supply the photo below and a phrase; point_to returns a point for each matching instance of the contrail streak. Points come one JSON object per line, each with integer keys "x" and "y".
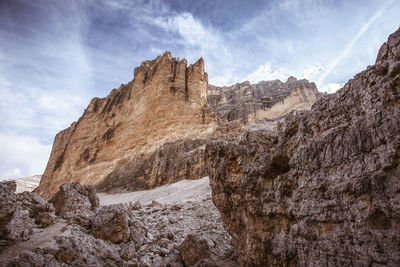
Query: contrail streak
{"x": 350, "y": 45}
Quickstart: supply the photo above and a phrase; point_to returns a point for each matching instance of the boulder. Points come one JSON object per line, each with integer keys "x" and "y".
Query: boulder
{"x": 74, "y": 197}
{"x": 15, "y": 223}
{"x": 117, "y": 224}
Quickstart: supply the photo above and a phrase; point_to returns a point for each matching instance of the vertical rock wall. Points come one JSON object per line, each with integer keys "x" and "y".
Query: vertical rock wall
{"x": 165, "y": 101}
{"x": 324, "y": 190}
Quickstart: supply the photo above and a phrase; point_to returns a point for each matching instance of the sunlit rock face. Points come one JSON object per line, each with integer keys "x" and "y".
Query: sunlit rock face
{"x": 264, "y": 101}
{"x": 153, "y": 130}
{"x": 324, "y": 189}
{"x": 166, "y": 101}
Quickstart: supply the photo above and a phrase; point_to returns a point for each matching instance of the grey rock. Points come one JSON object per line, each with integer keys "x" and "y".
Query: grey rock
{"x": 124, "y": 235}
{"x": 15, "y": 223}
{"x": 117, "y": 224}
{"x": 323, "y": 190}
{"x": 10, "y": 185}
{"x": 40, "y": 210}
{"x": 241, "y": 100}
{"x": 128, "y": 251}
{"x": 73, "y": 197}
{"x": 30, "y": 258}
{"x": 194, "y": 249}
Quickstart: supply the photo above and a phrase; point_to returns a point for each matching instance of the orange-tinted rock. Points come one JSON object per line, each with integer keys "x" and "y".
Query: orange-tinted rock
{"x": 152, "y": 130}
{"x": 165, "y": 101}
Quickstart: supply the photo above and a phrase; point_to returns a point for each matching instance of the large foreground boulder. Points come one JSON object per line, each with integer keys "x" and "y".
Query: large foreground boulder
{"x": 325, "y": 189}
{"x": 116, "y": 223}
{"x": 74, "y": 197}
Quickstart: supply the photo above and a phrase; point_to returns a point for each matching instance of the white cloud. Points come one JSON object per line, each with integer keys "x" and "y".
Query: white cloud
{"x": 227, "y": 78}
{"x": 266, "y": 72}
{"x": 156, "y": 51}
{"x": 22, "y": 156}
{"x": 310, "y": 72}
{"x": 4, "y": 82}
{"x": 192, "y": 31}
{"x": 331, "y": 87}
{"x": 46, "y": 112}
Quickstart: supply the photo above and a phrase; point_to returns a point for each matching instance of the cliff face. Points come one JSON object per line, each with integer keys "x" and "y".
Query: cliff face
{"x": 174, "y": 161}
{"x": 325, "y": 188}
{"x": 165, "y": 101}
{"x": 153, "y": 130}
{"x": 264, "y": 101}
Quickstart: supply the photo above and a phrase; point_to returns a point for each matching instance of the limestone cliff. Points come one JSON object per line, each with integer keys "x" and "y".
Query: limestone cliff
{"x": 174, "y": 161}
{"x": 153, "y": 130}
{"x": 166, "y": 101}
{"x": 323, "y": 190}
{"x": 264, "y": 101}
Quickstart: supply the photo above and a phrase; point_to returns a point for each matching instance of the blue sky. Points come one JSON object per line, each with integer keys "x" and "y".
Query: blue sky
{"x": 56, "y": 55}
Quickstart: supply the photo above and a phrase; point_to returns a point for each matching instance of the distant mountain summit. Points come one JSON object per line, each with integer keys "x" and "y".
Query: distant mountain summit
{"x": 263, "y": 101}
{"x": 152, "y": 130}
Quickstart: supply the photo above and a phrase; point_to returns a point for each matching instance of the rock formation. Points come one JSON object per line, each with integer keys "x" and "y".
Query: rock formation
{"x": 20, "y": 214}
{"x": 264, "y": 101}
{"x": 174, "y": 161}
{"x": 26, "y": 183}
{"x": 324, "y": 189}
{"x": 81, "y": 233}
{"x": 153, "y": 130}
{"x": 166, "y": 101}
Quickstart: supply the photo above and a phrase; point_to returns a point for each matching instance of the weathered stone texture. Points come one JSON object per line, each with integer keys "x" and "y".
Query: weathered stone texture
{"x": 180, "y": 234}
{"x": 324, "y": 190}
{"x": 20, "y": 214}
{"x": 122, "y": 141}
{"x": 264, "y": 101}
{"x": 166, "y": 101}
{"x": 74, "y": 197}
{"x": 175, "y": 161}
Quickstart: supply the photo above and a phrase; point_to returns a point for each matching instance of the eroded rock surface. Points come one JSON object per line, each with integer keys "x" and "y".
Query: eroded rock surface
{"x": 166, "y": 101}
{"x": 172, "y": 162}
{"x": 152, "y": 234}
{"x": 264, "y": 101}
{"x": 21, "y": 214}
{"x": 324, "y": 190}
{"x": 151, "y": 131}
{"x": 74, "y": 197}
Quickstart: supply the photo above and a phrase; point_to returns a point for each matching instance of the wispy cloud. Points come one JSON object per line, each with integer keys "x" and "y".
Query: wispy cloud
{"x": 192, "y": 32}
{"x": 353, "y": 41}
{"x": 265, "y": 72}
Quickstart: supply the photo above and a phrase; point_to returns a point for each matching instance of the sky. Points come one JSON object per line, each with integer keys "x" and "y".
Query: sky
{"x": 56, "y": 55}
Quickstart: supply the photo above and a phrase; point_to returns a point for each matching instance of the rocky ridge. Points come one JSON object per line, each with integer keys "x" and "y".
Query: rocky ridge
{"x": 153, "y": 130}
{"x": 264, "y": 101}
{"x": 166, "y": 101}
{"x": 324, "y": 188}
